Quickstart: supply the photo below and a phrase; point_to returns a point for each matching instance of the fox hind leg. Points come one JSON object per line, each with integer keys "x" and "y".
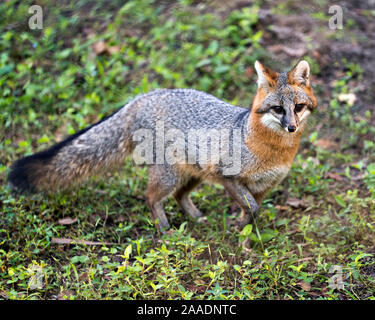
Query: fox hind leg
{"x": 182, "y": 197}
{"x": 161, "y": 183}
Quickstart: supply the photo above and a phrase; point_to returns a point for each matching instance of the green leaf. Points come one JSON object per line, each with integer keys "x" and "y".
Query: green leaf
{"x": 43, "y": 139}
{"x": 222, "y": 69}
{"x": 23, "y": 144}
{"x": 358, "y": 165}
{"x": 6, "y": 69}
{"x": 79, "y": 259}
{"x": 246, "y": 231}
{"x": 340, "y": 201}
{"x": 268, "y": 235}
{"x": 371, "y": 168}
{"x": 313, "y": 136}
{"x": 128, "y": 251}
{"x": 281, "y": 222}
{"x": 361, "y": 256}
{"x": 203, "y": 62}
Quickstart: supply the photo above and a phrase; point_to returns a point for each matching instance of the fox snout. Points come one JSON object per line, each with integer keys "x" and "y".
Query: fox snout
{"x": 289, "y": 121}
{"x": 292, "y": 128}
{"x": 284, "y": 119}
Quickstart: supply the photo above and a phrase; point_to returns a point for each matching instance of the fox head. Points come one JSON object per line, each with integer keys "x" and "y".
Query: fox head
{"x": 284, "y": 100}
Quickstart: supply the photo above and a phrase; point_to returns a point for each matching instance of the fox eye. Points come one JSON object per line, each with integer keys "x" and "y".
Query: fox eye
{"x": 299, "y": 107}
{"x": 278, "y": 109}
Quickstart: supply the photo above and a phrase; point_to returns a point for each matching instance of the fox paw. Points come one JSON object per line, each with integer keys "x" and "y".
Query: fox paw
{"x": 202, "y": 220}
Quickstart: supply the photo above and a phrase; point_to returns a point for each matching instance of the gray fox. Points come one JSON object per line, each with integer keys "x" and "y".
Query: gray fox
{"x": 185, "y": 137}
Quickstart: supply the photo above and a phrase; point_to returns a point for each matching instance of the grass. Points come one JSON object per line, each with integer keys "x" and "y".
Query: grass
{"x": 320, "y": 219}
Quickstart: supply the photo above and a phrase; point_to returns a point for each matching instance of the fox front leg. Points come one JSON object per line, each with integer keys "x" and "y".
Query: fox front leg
{"x": 241, "y": 194}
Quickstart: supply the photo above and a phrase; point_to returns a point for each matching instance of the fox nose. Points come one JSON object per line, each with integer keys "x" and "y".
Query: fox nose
{"x": 292, "y": 128}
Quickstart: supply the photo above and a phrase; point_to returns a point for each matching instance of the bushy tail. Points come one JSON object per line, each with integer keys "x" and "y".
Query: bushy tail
{"x": 90, "y": 150}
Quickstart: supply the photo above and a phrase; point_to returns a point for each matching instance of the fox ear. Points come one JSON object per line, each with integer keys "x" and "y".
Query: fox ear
{"x": 300, "y": 74}
{"x": 266, "y": 77}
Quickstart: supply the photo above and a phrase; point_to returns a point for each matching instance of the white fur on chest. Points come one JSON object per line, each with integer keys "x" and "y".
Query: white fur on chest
{"x": 265, "y": 180}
